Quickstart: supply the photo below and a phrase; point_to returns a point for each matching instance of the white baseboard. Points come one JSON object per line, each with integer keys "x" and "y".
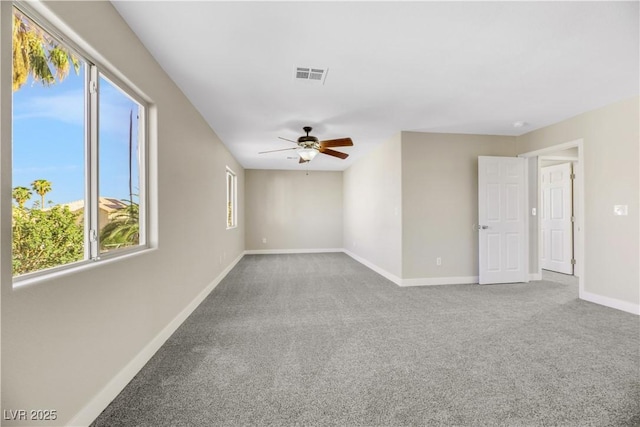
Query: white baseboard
{"x": 102, "y": 399}
{"x": 395, "y": 279}
{"x": 428, "y": 281}
{"x": 435, "y": 281}
{"x": 290, "y": 251}
{"x": 610, "y": 302}
{"x": 535, "y": 276}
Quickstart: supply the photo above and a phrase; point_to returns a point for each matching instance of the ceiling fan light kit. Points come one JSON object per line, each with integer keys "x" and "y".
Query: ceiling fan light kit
{"x": 309, "y": 146}
{"x": 307, "y": 154}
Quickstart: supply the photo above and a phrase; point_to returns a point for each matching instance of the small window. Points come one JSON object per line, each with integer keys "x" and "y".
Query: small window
{"x": 78, "y": 164}
{"x": 231, "y": 199}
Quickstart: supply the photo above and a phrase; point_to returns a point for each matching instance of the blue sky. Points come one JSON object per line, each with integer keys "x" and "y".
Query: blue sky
{"x": 49, "y": 139}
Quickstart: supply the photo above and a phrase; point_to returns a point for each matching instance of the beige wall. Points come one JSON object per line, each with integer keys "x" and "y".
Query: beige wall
{"x": 293, "y": 210}
{"x": 611, "y": 155}
{"x": 63, "y": 340}
{"x": 373, "y": 207}
{"x": 440, "y": 201}
{"x": 533, "y": 199}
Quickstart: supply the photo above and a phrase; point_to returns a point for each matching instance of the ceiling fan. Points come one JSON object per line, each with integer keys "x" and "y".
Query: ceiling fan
{"x": 309, "y": 146}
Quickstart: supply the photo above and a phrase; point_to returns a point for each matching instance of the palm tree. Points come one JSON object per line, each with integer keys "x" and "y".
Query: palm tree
{"x": 21, "y": 195}
{"x": 42, "y": 187}
{"x": 34, "y": 50}
{"x": 123, "y": 229}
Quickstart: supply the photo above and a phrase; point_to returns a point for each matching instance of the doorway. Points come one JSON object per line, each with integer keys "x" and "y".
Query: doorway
{"x": 557, "y": 211}
{"x": 571, "y": 153}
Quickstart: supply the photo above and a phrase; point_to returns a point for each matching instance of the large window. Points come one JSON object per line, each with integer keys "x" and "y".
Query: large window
{"x": 78, "y": 171}
{"x": 232, "y": 215}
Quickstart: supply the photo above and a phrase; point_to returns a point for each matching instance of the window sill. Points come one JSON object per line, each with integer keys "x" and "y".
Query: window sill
{"x": 37, "y": 278}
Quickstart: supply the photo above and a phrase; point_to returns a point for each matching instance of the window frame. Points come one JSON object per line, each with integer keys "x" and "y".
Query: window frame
{"x": 94, "y": 70}
{"x": 143, "y": 143}
{"x": 232, "y": 198}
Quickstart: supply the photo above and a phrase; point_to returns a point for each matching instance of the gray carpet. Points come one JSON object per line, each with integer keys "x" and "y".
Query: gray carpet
{"x": 553, "y": 276}
{"x": 319, "y": 339}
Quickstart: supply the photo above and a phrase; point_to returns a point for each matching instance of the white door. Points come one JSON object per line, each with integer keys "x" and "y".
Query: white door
{"x": 501, "y": 219}
{"x": 557, "y": 236}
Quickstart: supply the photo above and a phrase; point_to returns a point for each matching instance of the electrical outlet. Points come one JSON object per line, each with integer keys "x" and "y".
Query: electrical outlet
{"x": 438, "y": 261}
{"x": 264, "y": 240}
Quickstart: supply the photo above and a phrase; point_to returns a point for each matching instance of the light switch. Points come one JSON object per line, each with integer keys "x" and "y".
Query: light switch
{"x": 533, "y": 211}
{"x": 621, "y": 210}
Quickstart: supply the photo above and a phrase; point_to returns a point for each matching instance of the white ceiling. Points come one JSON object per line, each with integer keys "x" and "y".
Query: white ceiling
{"x": 455, "y": 67}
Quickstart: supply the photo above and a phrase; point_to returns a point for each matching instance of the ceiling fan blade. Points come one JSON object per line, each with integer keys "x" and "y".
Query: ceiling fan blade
{"x": 273, "y": 151}
{"x": 340, "y": 142}
{"x": 290, "y": 140}
{"x": 333, "y": 153}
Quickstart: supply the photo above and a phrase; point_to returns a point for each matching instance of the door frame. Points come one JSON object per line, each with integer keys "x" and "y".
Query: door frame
{"x": 579, "y": 205}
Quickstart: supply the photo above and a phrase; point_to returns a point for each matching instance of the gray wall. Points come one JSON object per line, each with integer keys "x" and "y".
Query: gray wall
{"x": 293, "y": 209}
{"x": 373, "y": 207}
{"x": 65, "y": 339}
{"x": 440, "y": 201}
{"x": 611, "y": 152}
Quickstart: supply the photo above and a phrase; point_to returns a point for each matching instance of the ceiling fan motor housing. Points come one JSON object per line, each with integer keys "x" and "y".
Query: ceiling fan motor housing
{"x": 308, "y": 141}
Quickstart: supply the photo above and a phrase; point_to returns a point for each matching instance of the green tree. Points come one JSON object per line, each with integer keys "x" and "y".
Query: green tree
{"x": 124, "y": 228}
{"x": 45, "y": 238}
{"x": 35, "y": 52}
{"x": 21, "y": 195}
{"x": 42, "y": 187}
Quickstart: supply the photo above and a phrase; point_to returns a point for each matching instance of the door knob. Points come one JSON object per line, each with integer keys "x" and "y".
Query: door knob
{"x": 483, "y": 227}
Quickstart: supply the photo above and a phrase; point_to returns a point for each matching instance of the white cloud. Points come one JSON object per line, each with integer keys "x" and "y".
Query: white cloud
{"x": 67, "y": 107}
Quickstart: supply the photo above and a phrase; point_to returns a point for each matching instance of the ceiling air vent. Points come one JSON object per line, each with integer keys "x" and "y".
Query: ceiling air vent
{"x": 311, "y": 74}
